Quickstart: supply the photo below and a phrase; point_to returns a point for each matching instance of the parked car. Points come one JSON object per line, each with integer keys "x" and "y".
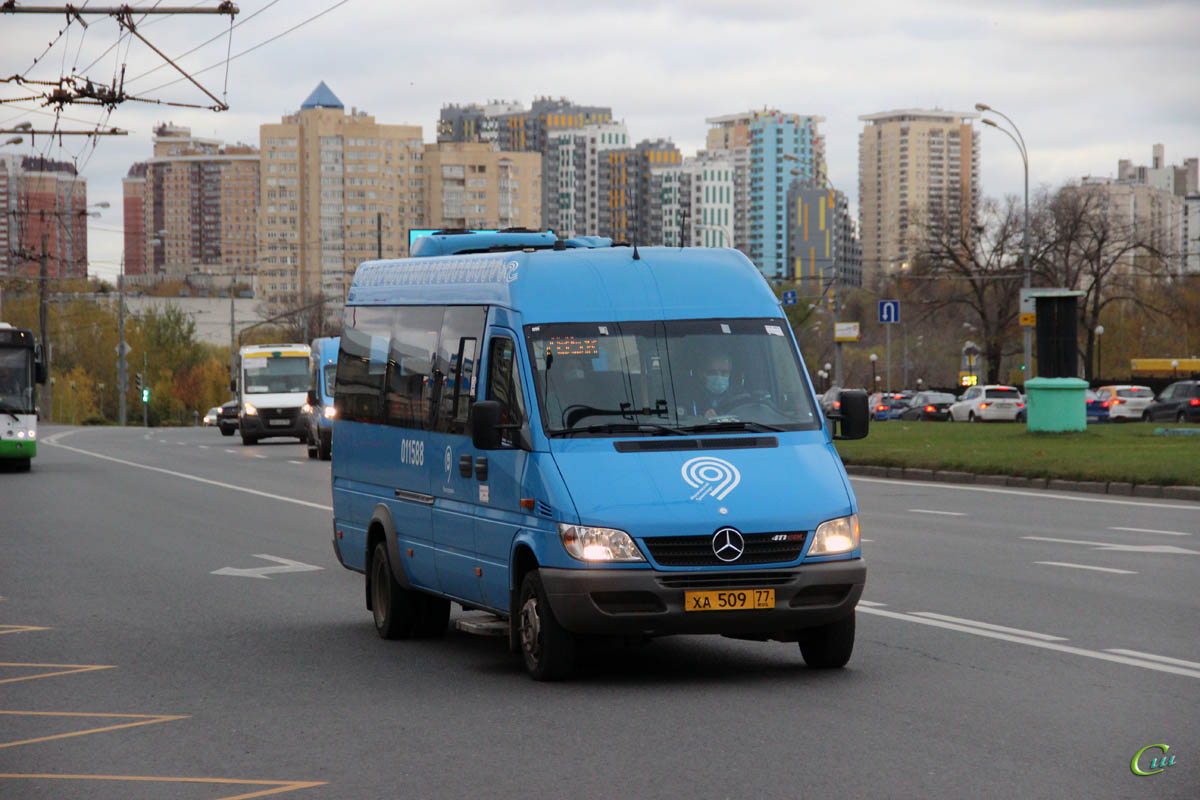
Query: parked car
{"x": 1180, "y": 401}
{"x": 990, "y": 403}
{"x": 1125, "y": 401}
{"x": 928, "y": 406}
{"x": 831, "y": 402}
{"x": 227, "y": 420}
{"x": 1097, "y": 409}
{"x": 210, "y": 418}
{"x": 888, "y": 405}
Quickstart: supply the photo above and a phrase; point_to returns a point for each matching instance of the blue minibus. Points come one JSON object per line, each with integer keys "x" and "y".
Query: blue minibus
{"x": 319, "y": 410}
{"x": 589, "y": 441}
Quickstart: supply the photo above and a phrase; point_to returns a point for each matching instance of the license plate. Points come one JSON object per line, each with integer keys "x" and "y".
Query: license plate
{"x": 729, "y": 600}
{"x": 279, "y": 422}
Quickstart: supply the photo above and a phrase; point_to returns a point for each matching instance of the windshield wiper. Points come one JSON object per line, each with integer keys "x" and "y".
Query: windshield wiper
{"x": 12, "y": 411}
{"x": 621, "y": 427}
{"x": 752, "y": 427}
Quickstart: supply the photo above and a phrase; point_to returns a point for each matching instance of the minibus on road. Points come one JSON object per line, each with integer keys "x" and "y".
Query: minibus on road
{"x": 588, "y": 441}
{"x": 272, "y": 391}
{"x": 21, "y": 366}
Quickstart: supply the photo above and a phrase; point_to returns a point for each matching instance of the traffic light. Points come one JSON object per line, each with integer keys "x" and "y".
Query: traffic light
{"x": 139, "y": 381}
{"x": 145, "y": 395}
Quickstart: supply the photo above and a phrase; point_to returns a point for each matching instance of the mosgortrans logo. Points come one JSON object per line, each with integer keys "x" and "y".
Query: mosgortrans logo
{"x": 1151, "y": 760}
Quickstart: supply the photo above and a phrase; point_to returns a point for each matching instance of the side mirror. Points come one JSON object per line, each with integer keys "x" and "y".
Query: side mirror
{"x": 311, "y": 399}
{"x": 855, "y": 419}
{"x": 39, "y": 371}
{"x": 485, "y": 425}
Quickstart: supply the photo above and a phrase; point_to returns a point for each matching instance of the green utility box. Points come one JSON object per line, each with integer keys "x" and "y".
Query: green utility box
{"x": 1056, "y": 405}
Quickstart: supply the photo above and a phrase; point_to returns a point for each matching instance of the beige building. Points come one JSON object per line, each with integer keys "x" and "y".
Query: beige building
{"x": 475, "y": 186}
{"x": 1150, "y": 214}
{"x": 337, "y": 189}
{"x": 198, "y": 206}
{"x": 916, "y": 169}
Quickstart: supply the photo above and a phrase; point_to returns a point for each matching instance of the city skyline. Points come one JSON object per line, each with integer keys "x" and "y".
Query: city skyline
{"x": 1118, "y": 72}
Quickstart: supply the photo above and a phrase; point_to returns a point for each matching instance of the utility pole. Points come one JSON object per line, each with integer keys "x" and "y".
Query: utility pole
{"x": 232, "y": 334}
{"x": 122, "y": 364}
{"x": 43, "y": 305}
{"x": 379, "y": 235}
{"x": 146, "y": 378}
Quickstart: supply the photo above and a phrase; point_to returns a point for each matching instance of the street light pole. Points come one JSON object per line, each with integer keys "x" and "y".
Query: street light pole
{"x": 1099, "y": 352}
{"x": 1019, "y": 141}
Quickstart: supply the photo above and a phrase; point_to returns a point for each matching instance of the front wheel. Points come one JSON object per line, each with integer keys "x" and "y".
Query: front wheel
{"x": 547, "y": 648}
{"x": 324, "y": 451}
{"x": 828, "y": 646}
{"x": 248, "y": 440}
{"x": 226, "y": 431}
{"x": 971, "y": 417}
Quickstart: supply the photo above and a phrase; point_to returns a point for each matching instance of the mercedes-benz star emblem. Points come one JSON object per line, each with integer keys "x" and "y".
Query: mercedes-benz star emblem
{"x": 728, "y": 544}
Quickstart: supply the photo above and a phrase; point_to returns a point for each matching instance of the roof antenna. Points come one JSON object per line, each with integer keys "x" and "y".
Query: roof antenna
{"x": 634, "y": 219}
{"x": 683, "y": 220}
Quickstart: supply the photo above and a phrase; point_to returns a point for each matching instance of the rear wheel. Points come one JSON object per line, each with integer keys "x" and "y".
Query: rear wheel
{"x": 395, "y": 608}
{"x": 547, "y": 648}
{"x": 226, "y": 430}
{"x": 1145, "y": 416}
{"x": 828, "y": 646}
{"x": 324, "y": 450}
{"x": 971, "y": 417}
{"x": 1181, "y": 418}
{"x": 247, "y": 440}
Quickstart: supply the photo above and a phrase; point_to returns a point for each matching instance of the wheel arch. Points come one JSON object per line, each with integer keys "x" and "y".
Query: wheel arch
{"x": 383, "y": 528}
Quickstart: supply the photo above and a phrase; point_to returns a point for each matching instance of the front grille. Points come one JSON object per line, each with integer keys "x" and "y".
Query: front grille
{"x": 726, "y": 580}
{"x": 279, "y": 413}
{"x": 697, "y": 551}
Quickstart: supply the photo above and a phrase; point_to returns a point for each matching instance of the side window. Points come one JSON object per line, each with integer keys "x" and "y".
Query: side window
{"x": 410, "y": 385}
{"x": 504, "y": 386}
{"x": 362, "y": 364}
{"x": 454, "y": 370}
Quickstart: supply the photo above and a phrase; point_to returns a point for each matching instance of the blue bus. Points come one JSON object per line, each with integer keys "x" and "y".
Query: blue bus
{"x": 589, "y": 441}
{"x": 319, "y": 409}
{"x": 21, "y": 366}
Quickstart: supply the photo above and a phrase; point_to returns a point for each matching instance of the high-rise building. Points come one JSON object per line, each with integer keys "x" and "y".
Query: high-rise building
{"x": 474, "y": 186}
{"x": 1147, "y": 213}
{"x": 769, "y": 149}
{"x": 197, "y": 208}
{"x": 822, "y": 242}
{"x": 43, "y": 208}
{"x": 337, "y": 188}
{"x": 707, "y": 209}
{"x": 630, "y": 184}
{"x": 474, "y": 122}
{"x": 1181, "y": 181}
{"x": 918, "y": 172}
{"x": 571, "y": 173}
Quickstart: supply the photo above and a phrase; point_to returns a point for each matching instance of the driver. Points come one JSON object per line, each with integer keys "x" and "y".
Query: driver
{"x": 715, "y": 391}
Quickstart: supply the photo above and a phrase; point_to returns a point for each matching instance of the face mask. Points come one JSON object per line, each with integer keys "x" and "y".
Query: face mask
{"x": 716, "y": 384}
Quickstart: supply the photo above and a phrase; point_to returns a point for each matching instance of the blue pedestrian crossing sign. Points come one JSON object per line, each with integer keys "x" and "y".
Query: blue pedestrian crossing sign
{"x": 790, "y": 298}
{"x": 889, "y": 310}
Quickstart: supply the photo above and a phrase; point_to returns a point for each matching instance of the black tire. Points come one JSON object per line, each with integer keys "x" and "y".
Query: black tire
{"x": 432, "y": 617}
{"x": 248, "y": 440}
{"x": 547, "y": 648}
{"x": 828, "y": 646}
{"x": 394, "y": 607}
{"x": 226, "y": 431}
{"x": 1181, "y": 418}
{"x": 324, "y": 451}
{"x": 312, "y": 450}
{"x": 1145, "y": 416}
{"x": 971, "y": 417}
{"x": 24, "y": 465}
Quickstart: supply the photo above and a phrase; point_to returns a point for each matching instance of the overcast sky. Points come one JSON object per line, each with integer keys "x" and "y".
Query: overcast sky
{"x": 1087, "y": 82}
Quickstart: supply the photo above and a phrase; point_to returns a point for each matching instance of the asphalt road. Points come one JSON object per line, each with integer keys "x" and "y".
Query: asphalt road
{"x": 1011, "y": 644}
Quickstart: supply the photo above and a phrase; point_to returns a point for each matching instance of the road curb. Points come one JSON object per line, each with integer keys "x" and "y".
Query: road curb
{"x": 1121, "y": 488}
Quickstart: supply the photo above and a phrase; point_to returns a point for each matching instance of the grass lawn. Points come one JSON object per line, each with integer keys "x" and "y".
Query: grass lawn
{"x": 1129, "y": 452}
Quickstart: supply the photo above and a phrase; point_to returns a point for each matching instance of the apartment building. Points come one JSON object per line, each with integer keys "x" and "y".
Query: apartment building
{"x": 1148, "y": 214}
{"x": 769, "y": 149}
{"x": 474, "y": 122}
{"x": 823, "y": 244}
{"x": 337, "y": 188}
{"x": 571, "y": 173}
{"x": 43, "y": 208}
{"x": 1184, "y": 183}
{"x": 918, "y": 171}
{"x": 630, "y": 182}
{"x": 707, "y": 207}
{"x": 192, "y": 207}
{"x": 473, "y": 185}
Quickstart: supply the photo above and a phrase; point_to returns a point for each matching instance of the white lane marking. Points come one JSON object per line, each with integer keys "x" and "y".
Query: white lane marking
{"x": 945, "y": 513}
{"x": 1086, "y": 566}
{"x": 53, "y": 441}
{"x": 292, "y": 461}
{"x": 1023, "y": 493}
{"x": 1056, "y": 646}
{"x": 259, "y": 455}
{"x": 1152, "y": 657}
{"x": 867, "y": 540}
{"x": 1151, "y": 530}
{"x": 182, "y": 444}
{"x": 988, "y": 626}
{"x": 203, "y": 446}
{"x": 287, "y": 565}
{"x": 1119, "y": 548}
{"x": 871, "y": 603}
{"x": 230, "y": 450}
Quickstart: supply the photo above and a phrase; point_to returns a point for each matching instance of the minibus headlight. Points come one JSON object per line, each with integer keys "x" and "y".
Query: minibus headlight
{"x": 306, "y": 408}
{"x": 249, "y": 409}
{"x": 330, "y": 412}
{"x": 598, "y": 544}
{"x": 33, "y": 434}
{"x": 835, "y": 537}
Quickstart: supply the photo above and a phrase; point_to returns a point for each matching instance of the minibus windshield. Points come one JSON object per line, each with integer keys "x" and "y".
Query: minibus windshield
{"x": 671, "y": 377}
{"x": 267, "y": 374}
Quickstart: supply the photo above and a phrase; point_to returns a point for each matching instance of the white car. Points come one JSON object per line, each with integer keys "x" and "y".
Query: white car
{"x": 993, "y": 403}
{"x": 1125, "y": 401}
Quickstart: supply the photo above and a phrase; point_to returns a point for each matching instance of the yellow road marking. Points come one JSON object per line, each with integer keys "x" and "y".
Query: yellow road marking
{"x": 20, "y": 628}
{"x": 145, "y": 719}
{"x": 278, "y": 787}
{"x": 73, "y": 668}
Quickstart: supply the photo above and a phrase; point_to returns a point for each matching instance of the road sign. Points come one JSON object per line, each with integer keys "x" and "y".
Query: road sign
{"x": 889, "y": 311}
{"x": 789, "y": 297}
{"x": 122, "y": 349}
{"x": 1028, "y": 320}
{"x": 846, "y": 332}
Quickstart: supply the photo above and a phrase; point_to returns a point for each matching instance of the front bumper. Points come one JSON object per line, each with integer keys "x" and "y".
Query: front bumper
{"x": 18, "y": 448}
{"x": 254, "y": 425}
{"x": 646, "y": 602}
